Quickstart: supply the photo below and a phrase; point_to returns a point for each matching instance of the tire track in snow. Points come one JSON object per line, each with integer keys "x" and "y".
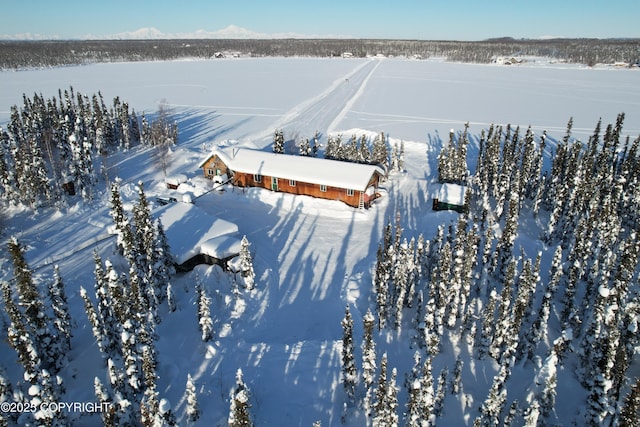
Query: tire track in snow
{"x": 352, "y": 100}
{"x": 318, "y": 112}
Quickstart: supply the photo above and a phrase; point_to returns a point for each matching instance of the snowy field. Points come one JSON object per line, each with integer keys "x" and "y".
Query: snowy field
{"x": 312, "y": 257}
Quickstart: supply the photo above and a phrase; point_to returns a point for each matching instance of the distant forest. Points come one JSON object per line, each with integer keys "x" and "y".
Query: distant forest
{"x": 54, "y": 53}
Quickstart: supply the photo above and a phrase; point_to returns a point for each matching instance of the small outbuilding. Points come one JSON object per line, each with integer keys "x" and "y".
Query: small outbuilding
{"x": 197, "y": 237}
{"x": 174, "y": 181}
{"x": 450, "y": 197}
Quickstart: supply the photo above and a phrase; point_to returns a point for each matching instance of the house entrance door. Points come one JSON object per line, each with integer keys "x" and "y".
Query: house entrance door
{"x": 274, "y": 183}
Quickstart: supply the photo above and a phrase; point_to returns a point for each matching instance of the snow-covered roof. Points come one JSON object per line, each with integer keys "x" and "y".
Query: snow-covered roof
{"x": 452, "y": 194}
{"x": 332, "y": 173}
{"x": 188, "y": 228}
{"x": 221, "y": 247}
{"x": 176, "y": 179}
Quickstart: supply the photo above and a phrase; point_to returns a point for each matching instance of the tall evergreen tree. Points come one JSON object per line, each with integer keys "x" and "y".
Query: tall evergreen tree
{"x": 368, "y": 358}
{"x": 191, "y": 396}
{"x": 349, "y": 373}
{"x": 239, "y": 415}
{"x": 204, "y": 313}
{"x": 61, "y": 317}
{"x": 278, "y": 141}
{"x": 630, "y": 414}
{"x": 246, "y": 264}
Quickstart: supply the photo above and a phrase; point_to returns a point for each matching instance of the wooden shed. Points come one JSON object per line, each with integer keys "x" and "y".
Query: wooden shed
{"x": 450, "y": 197}
{"x": 351, "y": 183}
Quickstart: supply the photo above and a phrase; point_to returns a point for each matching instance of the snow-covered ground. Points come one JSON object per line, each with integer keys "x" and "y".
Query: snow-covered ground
{"x": 312, "y": 257}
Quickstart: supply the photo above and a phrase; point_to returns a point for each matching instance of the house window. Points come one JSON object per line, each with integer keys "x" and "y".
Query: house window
{"x": 292, "y": 183}
{"x": 323, "y": 188}
{"x": 257, "y": 178}
{"x": 210, "y": 172}
{"x": 349, "y": 192}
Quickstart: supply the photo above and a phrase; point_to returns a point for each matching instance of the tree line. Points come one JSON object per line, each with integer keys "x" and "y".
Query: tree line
{"x": 473, "y": 284}
{"x": 57, "y": 146}
{"x": 55, "y": 53}
{"x": 357, "y": 150}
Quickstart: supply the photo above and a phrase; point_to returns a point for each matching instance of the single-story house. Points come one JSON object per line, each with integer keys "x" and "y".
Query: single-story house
{"x": 450, "y": 197}
{"x": 352, "y": 183}
{"x": 197, "y": 237}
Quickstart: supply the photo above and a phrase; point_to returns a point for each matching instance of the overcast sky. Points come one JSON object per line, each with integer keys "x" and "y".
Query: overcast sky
{"x": 402, "y": 19}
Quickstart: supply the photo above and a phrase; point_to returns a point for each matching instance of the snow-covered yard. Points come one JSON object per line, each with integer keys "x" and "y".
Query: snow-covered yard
{"x": 312, "y": 257}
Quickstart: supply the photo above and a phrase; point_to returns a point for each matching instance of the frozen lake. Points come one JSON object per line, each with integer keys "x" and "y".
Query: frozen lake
{"x": 249, "y": 98}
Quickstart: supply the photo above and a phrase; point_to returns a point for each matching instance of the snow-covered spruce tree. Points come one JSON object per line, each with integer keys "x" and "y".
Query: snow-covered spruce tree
{"x": 414, "y": 413}
{"x": 42, "y": 394}
{"x": 378, "y": 407}
{"x": 20, "y": 337}
{"x": 148, "y": 266}
{"x": 351, "y": 152}
{"x": 332, "y": 149}
{"x": 494, "y": 403}
{"x": 81, "y": 164}
{"x": 549, "y": 381}
{"x": 305, "y": 147}
{"x": 381, "y": 287}
{"x": 522, "y": 307}
{"x": 108, "y": 414}
{"x": 503, "y": 316}
{"x": 315, "y": 144}
{"x": 380, "y": 154}
{"x": 246, "y": 264}
{"x": 239, "y": 415}
{"x": 630, "y": 413}
{"x": 204, "y": 313}
{"x": 95, "y": 321}
{"x": 368, "y": 358}
{"x": 125, "y": 237}
{"x": 456, "y": 382}
{"x": 402, "y": 275}
{"x": 131, "y": 357}
{"x": 35, "y": 314}
{"x": 150, "y": 405}
{"x": 349, "y": 373}
{"x": 386, "y": 405}
{"x": 164, "y": 266}
{"x": 504, "y": 248}
{"x": 486, "y": 333}
{"x": 364, "y": 154}
{"x": 539, "y": 329}
{"x": 61, "y": 317}
{"x": 425, "y": 397}
{"x": 191, "y": 396}
{"x": 441, "y": 393}
{"x": 452, "y": 160}
{"x": 441, "y": 277}
{"x": 278, "y": 141}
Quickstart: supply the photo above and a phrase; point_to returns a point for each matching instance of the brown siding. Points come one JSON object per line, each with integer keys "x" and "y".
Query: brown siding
{"x": 300, "y": 188}
{"x": 214, "y": 164}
